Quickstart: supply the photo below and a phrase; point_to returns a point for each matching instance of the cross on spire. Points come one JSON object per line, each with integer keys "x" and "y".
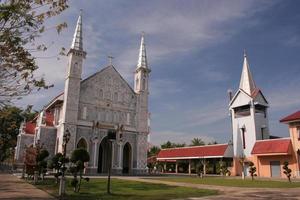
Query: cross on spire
{"x": 110, "y": 57}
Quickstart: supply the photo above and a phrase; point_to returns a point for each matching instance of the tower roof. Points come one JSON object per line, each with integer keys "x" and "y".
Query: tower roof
{"x": 247, "y": 83}
{"x": 142, "y": 61}
{"x": 77, "y": 39}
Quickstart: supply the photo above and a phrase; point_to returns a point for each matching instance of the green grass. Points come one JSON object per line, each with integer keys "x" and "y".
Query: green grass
{"x": 122, "y": 189}
{"x": 233, "y": 182}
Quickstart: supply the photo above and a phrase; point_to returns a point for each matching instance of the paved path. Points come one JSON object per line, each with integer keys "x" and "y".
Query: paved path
{"x": 233, "y": 193}
{"x": 14, "y": 188}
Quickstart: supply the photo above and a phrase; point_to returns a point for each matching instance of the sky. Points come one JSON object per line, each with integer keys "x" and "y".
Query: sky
{"x": 195, "y": 51}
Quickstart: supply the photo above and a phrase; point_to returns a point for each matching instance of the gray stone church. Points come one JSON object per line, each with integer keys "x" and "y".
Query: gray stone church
{"x": 89, "y": 108}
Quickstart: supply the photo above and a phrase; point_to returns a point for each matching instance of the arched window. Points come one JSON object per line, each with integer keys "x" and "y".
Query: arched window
{"x": 101, "y": 94}
{"x": 115, "y": 97}
{"x": 82, "y": 144}
{"x": 144, "y": 84}
{"x": 137, "y": 82}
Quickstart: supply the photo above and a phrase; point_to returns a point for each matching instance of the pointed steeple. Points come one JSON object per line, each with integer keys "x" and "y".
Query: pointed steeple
{"x": 142, "y": 61}
{"x": 77, "y": 39}
{"x": 247, "y": 83}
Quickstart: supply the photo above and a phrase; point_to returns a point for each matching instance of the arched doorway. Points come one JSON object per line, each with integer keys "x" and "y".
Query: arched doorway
{"x": 82, "y": 144}
{"x": 126, "y": 158}
{"x": 103, "y": 156}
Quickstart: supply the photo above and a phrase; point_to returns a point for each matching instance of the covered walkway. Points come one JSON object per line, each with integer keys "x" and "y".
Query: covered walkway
{"x": 188, "y": 159}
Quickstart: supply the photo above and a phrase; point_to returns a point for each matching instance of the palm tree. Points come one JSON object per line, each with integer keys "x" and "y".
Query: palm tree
{"x": 197, "y": 142}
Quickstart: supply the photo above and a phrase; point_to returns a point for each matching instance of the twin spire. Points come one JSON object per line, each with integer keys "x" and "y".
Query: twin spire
{"x": 78, "y": 45}
{"x": 247, "y": 83}
{"x": 77, "y": 39}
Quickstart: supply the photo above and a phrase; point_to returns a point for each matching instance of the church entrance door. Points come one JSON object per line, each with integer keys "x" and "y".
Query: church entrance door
{"x": 103, "y": 156}
{"x": 127, "y": 152}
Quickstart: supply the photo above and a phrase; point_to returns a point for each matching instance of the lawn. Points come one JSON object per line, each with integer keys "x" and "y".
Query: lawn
{"x": 121, "y": 189}
{"x": 234, "y": 182}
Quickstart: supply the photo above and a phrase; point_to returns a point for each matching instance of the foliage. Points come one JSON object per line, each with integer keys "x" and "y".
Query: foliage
{"x": 252, "y": 170}
{"x": 200, "y": 169}
{"x": 11, "y": 118}
{"x": 197, "y": 142}
{"x": 223, "y": 168}
{"x": 169, "y": 144}
{"x": 153, "y": 151}
{"x": 286, "y": 170}
{"x": 56, "y": 163}
{"x": 242, "y": 163}
{"x": 78, "y": 158}
{"x": 41, "y": 163}
{"x": 21, "y": 23}
{"x": 212, "y": 142}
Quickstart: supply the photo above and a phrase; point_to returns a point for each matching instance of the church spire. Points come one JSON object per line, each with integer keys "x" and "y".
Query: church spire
{"x": 142, "y": 61}
{"x": 247, "y": 83}
{"x": 77, "y": 39}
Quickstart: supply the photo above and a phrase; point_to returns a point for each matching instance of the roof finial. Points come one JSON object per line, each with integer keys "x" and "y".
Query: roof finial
{"x": 110, "y": 57}
{"x": 245, "y": 54}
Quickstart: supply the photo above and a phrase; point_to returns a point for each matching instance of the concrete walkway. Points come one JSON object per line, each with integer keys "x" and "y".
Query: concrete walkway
{"x": 12, "y": 187}
{"x": 232, "y": 193}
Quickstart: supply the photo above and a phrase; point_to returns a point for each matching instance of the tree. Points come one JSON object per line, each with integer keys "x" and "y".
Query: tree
{"x": 41, "y": 162}
{"x": 11, "y": 118}
{"x": 78, "y": 158}
{"x": 242, "y": 163}
{"x": 286, "y": 170}
{"x": 153, "y": 151}
{"x": 212, "y": 142}
{"x": 223, "y": 168}
{"x": 252, "y": 170}
{"x": 169, "y": 144}
{"x": 21, "y": 22}
{"x": 197, "y": 142}
{"x": 56, "y": 163}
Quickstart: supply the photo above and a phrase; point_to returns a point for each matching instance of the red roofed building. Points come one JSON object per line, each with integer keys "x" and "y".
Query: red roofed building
{"x": 190, "y": 156}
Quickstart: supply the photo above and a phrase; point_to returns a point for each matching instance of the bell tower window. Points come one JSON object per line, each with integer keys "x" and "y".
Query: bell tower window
{"x": 243, "y": 137}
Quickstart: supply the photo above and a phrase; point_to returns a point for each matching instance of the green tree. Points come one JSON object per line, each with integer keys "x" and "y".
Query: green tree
{"x": 21, "y": 22}
{"x": 56, "y": 163}
{"x": 11, "y": 118}
{"x": 41, "y": 162}
{"x": 197, "y": 142}
{"x": 286, "y": 170}
{"x": 169, "y": 144}
{"x": 153, "y": 151}
{"x": 252, "y": 170}
{"x": 78, "y": 158}
{"x": 223, "y": 168}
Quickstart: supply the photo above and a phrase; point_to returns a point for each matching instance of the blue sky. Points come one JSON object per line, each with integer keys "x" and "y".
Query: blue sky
{"x": 195, "y": 51}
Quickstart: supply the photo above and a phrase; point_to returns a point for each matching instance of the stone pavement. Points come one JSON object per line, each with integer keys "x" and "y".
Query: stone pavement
{"x": 233, "y": 193}
{"x": 12, "y": 187}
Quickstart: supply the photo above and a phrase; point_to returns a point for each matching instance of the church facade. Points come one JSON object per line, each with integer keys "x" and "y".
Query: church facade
{"x": 89, "y": 108}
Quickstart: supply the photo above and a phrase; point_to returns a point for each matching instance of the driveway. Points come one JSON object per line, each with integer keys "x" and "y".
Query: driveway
{"x": 12, "y": 187}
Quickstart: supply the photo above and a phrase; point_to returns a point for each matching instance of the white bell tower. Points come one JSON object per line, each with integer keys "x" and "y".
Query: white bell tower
{"x": 76, "y": 55}
{"x": 248, "y": 109}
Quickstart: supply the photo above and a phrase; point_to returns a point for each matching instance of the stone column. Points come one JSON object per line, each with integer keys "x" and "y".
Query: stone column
{"x": 176, "y": 167}
{"x": 190, "y": 171}
{"x": 95, "y": 142}
{"x": 120, "y": 155}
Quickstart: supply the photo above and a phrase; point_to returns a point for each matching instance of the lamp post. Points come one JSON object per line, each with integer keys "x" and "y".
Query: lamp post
{"x": 66, "y": 139}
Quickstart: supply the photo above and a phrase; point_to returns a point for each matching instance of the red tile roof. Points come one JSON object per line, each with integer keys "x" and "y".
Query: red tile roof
{"x": 271, "y": 147}
{"x": 193, "y": 152}
{"x": 293, "y": 117}
{"x": 29, "y": 128}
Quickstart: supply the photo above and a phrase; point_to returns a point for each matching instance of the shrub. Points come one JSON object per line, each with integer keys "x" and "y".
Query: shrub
{"x": 286, "y": 170}
{"x": 252, "y": 170}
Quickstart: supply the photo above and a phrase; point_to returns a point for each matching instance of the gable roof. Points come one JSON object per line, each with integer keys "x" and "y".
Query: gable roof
{"x": 272, "y": 147}
{"x": 105, "y": 68}
{"x": 292, "y": 117}
{"x": 193, "y": 152}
